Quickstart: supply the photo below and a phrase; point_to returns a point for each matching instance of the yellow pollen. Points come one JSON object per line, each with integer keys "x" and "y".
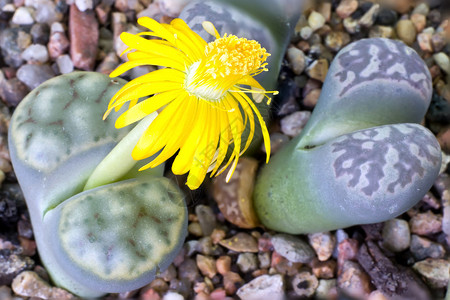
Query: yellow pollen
{"x": 230, "y": 55}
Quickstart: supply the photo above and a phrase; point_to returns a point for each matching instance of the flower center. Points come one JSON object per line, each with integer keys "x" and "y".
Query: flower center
{"x": 226, "y": 61}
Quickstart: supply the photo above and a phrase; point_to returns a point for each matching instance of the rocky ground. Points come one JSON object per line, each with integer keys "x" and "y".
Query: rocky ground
{"x": 404, "y": 258}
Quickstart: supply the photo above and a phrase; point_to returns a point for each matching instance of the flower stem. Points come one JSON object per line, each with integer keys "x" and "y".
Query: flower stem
{"x": 119, "y": 162}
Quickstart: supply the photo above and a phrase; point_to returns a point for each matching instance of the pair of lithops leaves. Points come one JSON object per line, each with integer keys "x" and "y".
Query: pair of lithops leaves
{"x": 362, "y": 158}
{"x": 115, "y": 235}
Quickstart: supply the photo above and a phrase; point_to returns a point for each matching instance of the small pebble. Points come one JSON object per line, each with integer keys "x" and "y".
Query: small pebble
{"x": 33, "y": 75}
{"x": 241, "y": 242}
{"x": 310, "y": 100}
{"x": 206, "y": 265}
{"x": 23, "y": 16}
{"x": 316, "y": 20}
{"x": 396, "y": 235}
{"x": 368, "y": 19}
{"x": 443, "y": 61}
{"x": 324, "y": 269}
{"x": 323, "y": 244}
{"x": 293, "y": 124}
{"x": 381, "y": 32}
{"x": 346, "y": 8}
{"x": 263, "y": 287}
{"x": 438, "y": 41}
{"x": 35, "y": 53}
{"x": 386, "y": 17}
{"x": 13, "y": 91}
{"x": 326, "y": 289}
{"x": 424, "y": 40}
{"x": 406, "y": 31}
{"x": 347, "y": 250}
{"x": 351, "y": 25}
{"x": 318, "y": 69}
{"x": 281, "y": 265}
{"x": 231, "y": 282}
{"x": 306, "y": 32}
{"x": 234, "y": 197}
{"x": 206, "y": 218}
{"x": 435, "y": 271}
{"x": 336, "y": 40}
{"x": 84, "y": 5}
{"x": 223, "y": 264}
{"x": 40, "y": 33}
{"x": 292, "y": 248}
{"x": 419, "y": 21}
{"x": 188, "y": 270}
{"x": 422, "y": 8}
{"x": 173, "y": 296}
{"x": 297, "y": 60}
{"x": 377, "y": 295}
{"x": 353, "y": 280}
{"x": 58, "y": 44}
{"x": 422, "y": 248}
{"x": 264, "y": 260}
{"x": 65, "y": 64}
{"x": 305, "y": 284}
{"x": 29, "y": 284}
{"x": 426, "y": 223}
{"x": 247, "y": 262}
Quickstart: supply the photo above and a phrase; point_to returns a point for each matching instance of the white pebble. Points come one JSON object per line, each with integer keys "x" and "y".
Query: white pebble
{"x": 64, "y": 63}
{"x": 443, "y": 61}
{"x": 315, "y": 20}
{"x": 172, "y": 296}
{"x": 56, "y": 27}
{"x": 84, "y": 5}
{"x": 23, "y": 16}
{"x": 35, "y": 53}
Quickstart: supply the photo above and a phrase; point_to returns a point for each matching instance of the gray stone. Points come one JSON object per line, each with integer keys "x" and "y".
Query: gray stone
{"x": 188, "y": 270}
{"x": 13, "y": 42}
{"x": 263, "y": 287}
{"x": 247, "y": 262}
{"x": 422, "y": 8}
{"x": 293, "y": 124}
{"x": 5, "y": 293}
{"x": 13, "y": 91}
{"x": 23, "y": 16}
{"x": 40, "y": 33}
{"x": 64, "y": 63}
{"x": 422, "y": 248}
{"x": 34, "y": 75}
{"x": 305, "y": 284}
{"x": 443, "y": 61}
{"x": 264, "y": 260}
{"x": 292, "y": 248}
{"x": 396, "y": 235}
{"x": 47, "y": 12}
{"x": 206, "y": 218}
{"x": 35, "y": 53}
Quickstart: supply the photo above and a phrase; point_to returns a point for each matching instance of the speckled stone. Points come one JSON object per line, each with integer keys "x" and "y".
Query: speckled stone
{"x": 323, "y": 244}
{"x": 353, "y": 280}
{"x": 241, "y": 242}
{"x": 426, "y": 223}
{"x": 293, "y": 248}
{"x": 247, "y": 262}
{"x": 305, "y": 284}
{"x": 263, "y": 287}
{"x": 422, "y": 248}
{"x": 435, "y": 271}
{"x": 29, "y": 284}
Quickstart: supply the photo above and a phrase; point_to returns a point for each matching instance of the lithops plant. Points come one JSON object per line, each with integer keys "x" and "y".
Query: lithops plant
{"x": 361, "y": 158}
{"x": 107, "y": 235}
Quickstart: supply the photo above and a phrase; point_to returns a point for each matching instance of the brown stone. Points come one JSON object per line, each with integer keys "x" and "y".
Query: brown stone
{"x": 206, "y": 265}
{"x": 102, "y": 10}
{"x": 426, "y": 223}
{"x": 231, "y": 282}
{"x": 324, "y": 269}
{"x": 354, "y": 281}
{"x": 406, "y": 31}
{"x": 419, "y": 21}
{"x": 83, "y": 32}
{"x": 347, "y": 250}
{"x": 318, "y": 69}
{"x": 424, "y": 40}
{"x": 235, "y": 197}
{"x": 311, "y": 99}
{"x": 241, "y": 242}
{"x": 443, "y": 138}
{"x": 223, "y": 264}
{"x": 346, "y": 8}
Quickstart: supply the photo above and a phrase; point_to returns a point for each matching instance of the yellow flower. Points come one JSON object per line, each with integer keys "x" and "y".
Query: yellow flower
{"x": 200, "y": 95}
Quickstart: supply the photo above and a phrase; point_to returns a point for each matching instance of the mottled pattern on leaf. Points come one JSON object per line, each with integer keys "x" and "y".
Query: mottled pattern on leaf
{"x": 364, "y": 156}
{"x": 373, "y": 59}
